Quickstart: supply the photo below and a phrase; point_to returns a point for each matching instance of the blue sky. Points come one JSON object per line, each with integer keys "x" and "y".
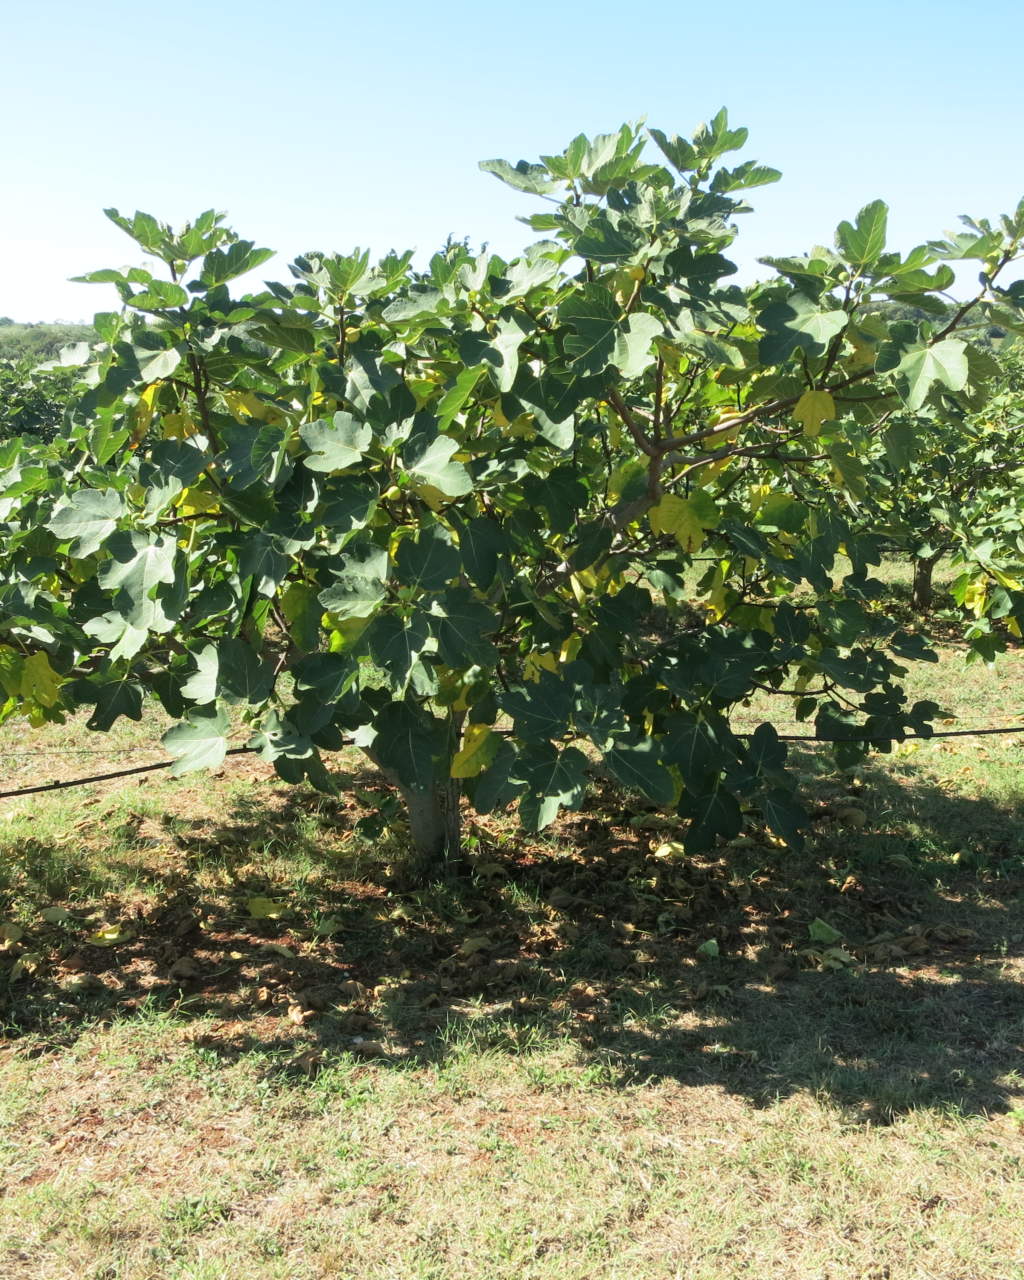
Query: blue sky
{"x": 326, "y": 124}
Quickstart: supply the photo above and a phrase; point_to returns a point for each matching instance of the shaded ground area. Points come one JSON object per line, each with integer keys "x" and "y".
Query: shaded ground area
{"x": 860, "y": 970}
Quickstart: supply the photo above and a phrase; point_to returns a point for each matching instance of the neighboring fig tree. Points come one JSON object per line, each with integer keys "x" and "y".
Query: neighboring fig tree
{"x": 34, "y": 399}
{"x": 494, "y": 522}
{"x": 948, "y": 481}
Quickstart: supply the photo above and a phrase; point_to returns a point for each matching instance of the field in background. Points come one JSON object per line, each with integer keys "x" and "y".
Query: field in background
{"x": 237, "y": 1044}
{"x": 37, "y": 342}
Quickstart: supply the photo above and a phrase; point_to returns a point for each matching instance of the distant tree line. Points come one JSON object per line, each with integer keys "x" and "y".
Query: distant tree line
{"x": 38, "y": 342}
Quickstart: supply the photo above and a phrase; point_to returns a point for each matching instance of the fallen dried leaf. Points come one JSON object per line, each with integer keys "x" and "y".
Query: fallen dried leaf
{"x": 489, "y": 870}
{"x": 26, "y": 964}
{"x": 318, "y": 998}
{"x": 353, "y": 990}
{"x": 266, "y": 909}
{"x": 368, "y": 1048}
{"x": 55, "y": 915}
{"x": 326, "y": 927}
{"x": 278, "y": 949}
{"x": 309, "y": 1063}
{"x": 110, "y": 936}
{"x": 561, "y": 898}
{"x": 850, "y": 817}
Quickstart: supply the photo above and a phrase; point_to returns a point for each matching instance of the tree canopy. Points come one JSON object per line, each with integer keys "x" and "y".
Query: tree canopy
{"x": 498, "y": 522}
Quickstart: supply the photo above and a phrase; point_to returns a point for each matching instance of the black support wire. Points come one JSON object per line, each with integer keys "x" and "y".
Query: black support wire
{"x": 240, "y": 751}
{"x": 907, "y": 737}
{"x": 104, "y": 777}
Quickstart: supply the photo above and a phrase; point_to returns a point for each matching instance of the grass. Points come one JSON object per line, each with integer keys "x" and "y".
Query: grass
{"x": 237, "y": 1044}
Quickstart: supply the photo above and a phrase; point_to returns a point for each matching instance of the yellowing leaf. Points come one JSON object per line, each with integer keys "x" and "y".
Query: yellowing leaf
{"x": 670, "y": 849}
{"x": 479, "y": 746}
{"x": 726, "y": 417}
{"x": 344, "y": 632}
{"x": 708, "y": 470}
{"x": 11, "y": 932}
{"x": 459, "y": 690}
{"x": 472, "y": 945}
{"x": 197, "y": 501}
{"x": 727, "y": 429}
{"x": 570, "y": 648}
{"x": 178, "y": 426}
{"x": 423, "y": 390}
{"x": 592, "y": 579}
{"x": 757, "y": 495}
{"x": 39, "y": 682}
{"x": 244, "y": 404}
{"x": 266, "y": 909}
{"x": 974, "y": 596}
{"x": 863, "y": 353}
{"x": 1004, "y": 580}
{"x": 536, "y": 662}
{"x": 142, "y": 415}
{"x": 679, "y": 517}
{"x": 462, "y": 697}
{"x": 812, "y": 409}
{"x": 432, "y": 496}
{"x": 109, "y": 936}
{"x": 719, "y": 599}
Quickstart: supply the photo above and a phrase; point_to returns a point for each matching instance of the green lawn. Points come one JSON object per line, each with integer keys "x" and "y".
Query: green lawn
{"x": 236, "y": 1045}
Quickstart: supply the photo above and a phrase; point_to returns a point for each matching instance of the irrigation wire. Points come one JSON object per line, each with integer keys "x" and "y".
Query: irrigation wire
{"x": 84, "y": 751}
{"x": 238, "y": 751}
{"x": 907, "y": 737}
{"x": 105, "y": 777}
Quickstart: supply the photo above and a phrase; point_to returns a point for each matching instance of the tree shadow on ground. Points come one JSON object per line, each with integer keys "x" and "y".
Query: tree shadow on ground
{"x": 868, "y": 970}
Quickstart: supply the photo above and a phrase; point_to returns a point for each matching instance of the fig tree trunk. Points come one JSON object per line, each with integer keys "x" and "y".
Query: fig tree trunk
{"x": 435, "y": 829}
{"x": 923, "y": 594}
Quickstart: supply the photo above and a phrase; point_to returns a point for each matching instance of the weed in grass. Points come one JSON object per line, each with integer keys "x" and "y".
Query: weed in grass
{"x": 194, "y": 1213}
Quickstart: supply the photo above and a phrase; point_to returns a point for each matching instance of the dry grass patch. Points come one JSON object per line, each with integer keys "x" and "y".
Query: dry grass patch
{"x": 138, "y": 1156}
